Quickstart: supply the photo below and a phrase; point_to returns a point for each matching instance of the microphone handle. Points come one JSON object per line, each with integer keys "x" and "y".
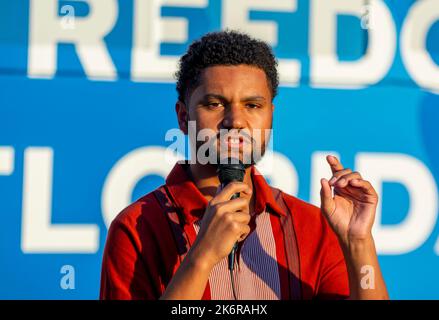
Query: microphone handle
{"x": 231, "y": 256}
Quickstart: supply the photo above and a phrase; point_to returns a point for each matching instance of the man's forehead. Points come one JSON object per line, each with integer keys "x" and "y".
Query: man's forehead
{"x": 249, "y": 80}
{"x": 232, "y": 72}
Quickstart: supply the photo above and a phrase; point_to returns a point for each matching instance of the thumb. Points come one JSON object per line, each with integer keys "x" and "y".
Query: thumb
{"x": 327, "y": 202}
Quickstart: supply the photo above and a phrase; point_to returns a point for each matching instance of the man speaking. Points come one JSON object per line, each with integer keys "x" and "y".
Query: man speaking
{"x": 216, "y": 229}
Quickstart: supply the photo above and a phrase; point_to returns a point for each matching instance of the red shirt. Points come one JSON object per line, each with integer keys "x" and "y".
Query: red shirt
{"x": 145, "y": 247}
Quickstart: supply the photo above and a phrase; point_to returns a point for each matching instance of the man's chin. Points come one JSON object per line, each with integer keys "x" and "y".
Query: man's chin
{"x": 247, "y": 160}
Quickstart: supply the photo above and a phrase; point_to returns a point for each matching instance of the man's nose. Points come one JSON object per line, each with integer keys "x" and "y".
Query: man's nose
{"x": 234, "y": 118}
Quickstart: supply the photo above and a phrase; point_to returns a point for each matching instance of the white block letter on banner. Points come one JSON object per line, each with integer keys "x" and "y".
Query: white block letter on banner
{"x": 420, "y": 220}
{"x": 39, "y": 235}
{"x": 47, "y": 29}
{"x": 417, "y": 60}
{"x": 236, "y": 17}
{"x": 150, "y": 29}
{"x": 326, "y": 69}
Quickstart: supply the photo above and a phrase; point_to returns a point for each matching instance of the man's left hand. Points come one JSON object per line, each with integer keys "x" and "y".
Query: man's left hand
{"x": 351, "y": 209}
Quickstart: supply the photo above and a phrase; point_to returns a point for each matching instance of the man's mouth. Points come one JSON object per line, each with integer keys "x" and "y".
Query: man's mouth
{"x": 234, "y": 141}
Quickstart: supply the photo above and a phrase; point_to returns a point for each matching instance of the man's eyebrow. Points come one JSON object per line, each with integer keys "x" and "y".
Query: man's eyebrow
{"x": 253, "y": 98}
{"x": 213, "y": 96}
{"x": 222, "y": 98}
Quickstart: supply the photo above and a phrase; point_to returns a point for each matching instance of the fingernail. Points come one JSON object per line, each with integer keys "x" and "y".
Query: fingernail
{"x": 333, "y": 179}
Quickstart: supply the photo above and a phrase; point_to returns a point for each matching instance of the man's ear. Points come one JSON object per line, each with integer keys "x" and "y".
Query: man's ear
{"x": 182, "y": 116}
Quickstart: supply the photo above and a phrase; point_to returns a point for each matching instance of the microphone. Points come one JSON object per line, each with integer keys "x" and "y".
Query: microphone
{"x": 232, "y": 170}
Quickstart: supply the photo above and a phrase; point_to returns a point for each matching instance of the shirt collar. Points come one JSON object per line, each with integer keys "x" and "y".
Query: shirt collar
{"x": 191, "y": 202}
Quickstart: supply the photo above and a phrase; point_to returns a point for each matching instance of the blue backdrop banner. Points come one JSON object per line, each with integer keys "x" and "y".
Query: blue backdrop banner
{"x": 87, "y": 97}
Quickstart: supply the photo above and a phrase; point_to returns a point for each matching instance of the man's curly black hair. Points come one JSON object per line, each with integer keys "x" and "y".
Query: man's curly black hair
{"x": 224, "y": 48}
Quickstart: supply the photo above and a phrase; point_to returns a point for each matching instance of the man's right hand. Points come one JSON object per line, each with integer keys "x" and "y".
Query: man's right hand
{"x": 224, "y": 223}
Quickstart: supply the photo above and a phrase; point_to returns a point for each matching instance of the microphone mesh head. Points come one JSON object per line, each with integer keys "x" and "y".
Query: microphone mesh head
{"x": 232, "y": 170}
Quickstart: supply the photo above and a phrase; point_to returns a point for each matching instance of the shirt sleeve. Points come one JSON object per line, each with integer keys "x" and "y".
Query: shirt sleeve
{"x": 125, "y": 275}
{"x": 334, "y": 280}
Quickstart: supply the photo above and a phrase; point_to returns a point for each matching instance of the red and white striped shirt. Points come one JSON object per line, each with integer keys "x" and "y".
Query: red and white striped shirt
{"x": 255, "y": 275}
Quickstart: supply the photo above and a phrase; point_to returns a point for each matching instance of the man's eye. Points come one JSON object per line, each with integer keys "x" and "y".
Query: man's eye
{"x": 252, "y": 105}
{"x": 214, "y": 104}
